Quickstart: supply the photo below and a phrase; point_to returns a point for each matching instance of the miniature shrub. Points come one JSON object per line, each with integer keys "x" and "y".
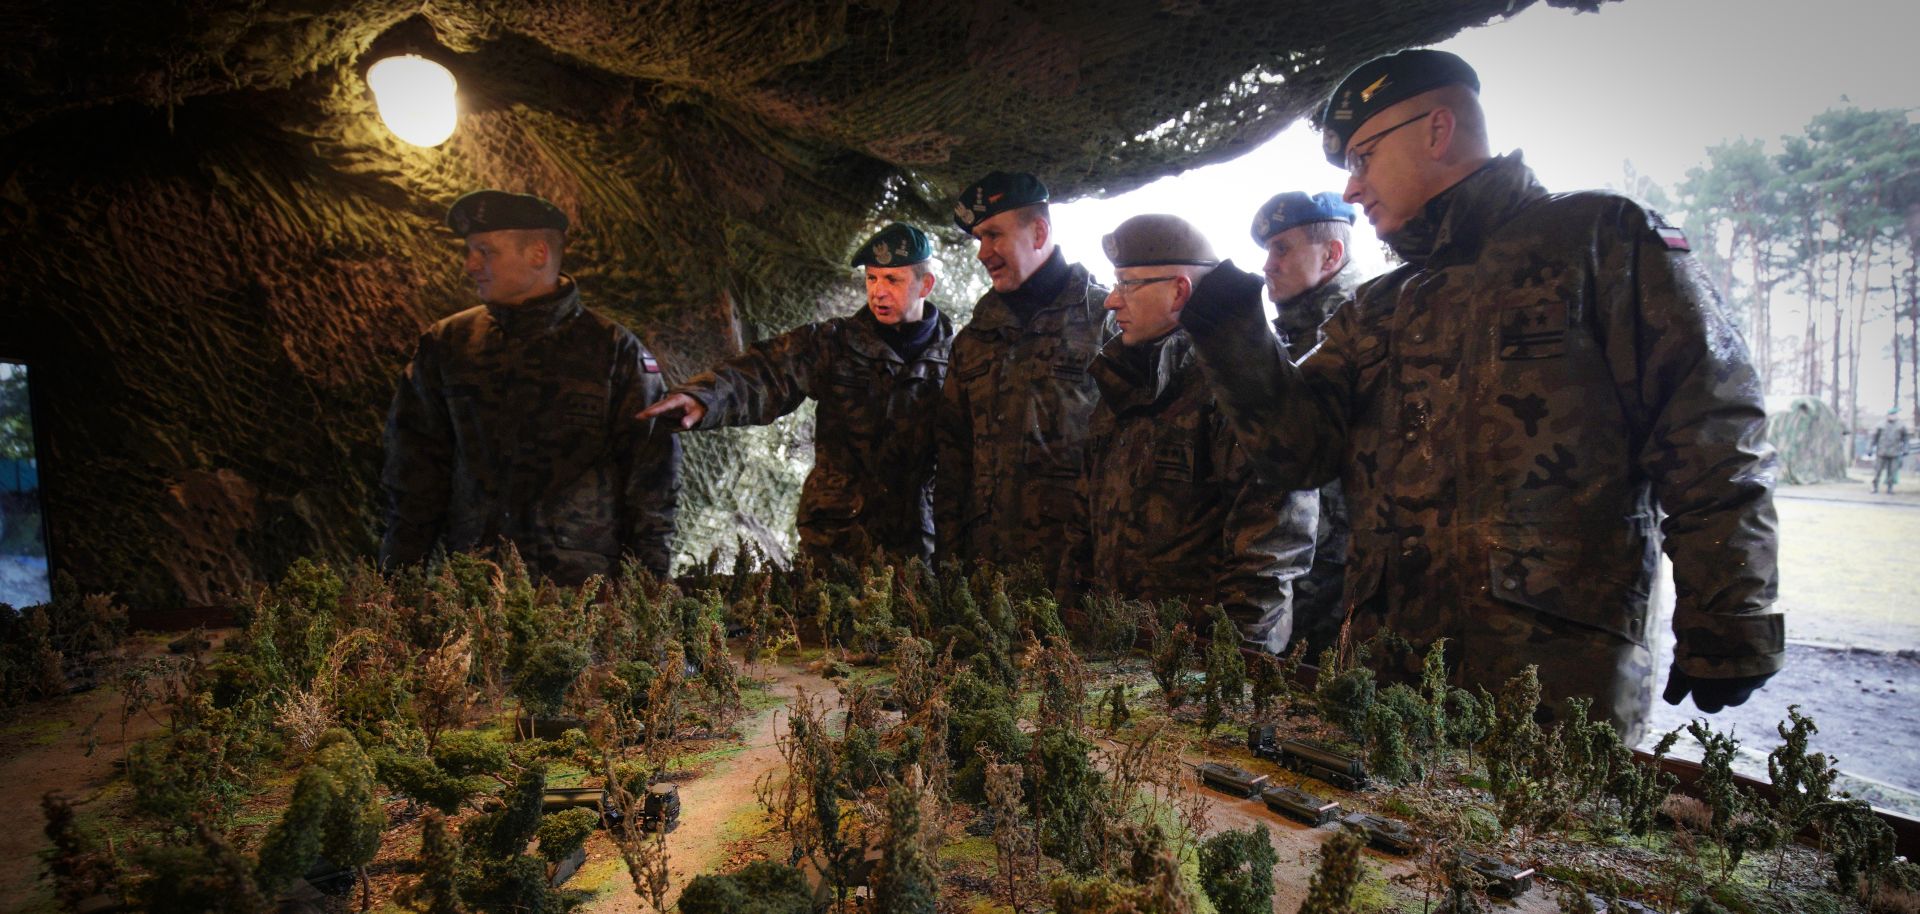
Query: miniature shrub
{"x": 465, "y": 753}
{"x": 550, "y": 670}
{"x": 907, "y": 881}
{"x": 1330, "y": 890}
{"x": 761, "y": 887}
{"x": 1236, "y": 871}
{"x": 1066, "y": 799}
{"x": 561, "y": 833}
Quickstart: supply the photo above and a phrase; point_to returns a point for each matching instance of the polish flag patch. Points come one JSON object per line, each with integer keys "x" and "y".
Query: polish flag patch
{"x": 650, "y": 364}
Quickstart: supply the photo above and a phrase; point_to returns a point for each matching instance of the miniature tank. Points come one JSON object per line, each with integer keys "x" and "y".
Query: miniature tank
{"x": 1382, "y": 832}
{"x": 1504, "y": 880}
{"x": 661, "y": 809}
{"x": 1299, "y": 804}
{"x": 1230, "y": 779}
{"x": 1315, "y": 760}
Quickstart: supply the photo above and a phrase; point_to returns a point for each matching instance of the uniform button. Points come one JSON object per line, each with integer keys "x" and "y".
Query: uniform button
{"x": 1412, "y": 435}
{"x": 1511, "y": 583}
{"x": 1419, "y": 337}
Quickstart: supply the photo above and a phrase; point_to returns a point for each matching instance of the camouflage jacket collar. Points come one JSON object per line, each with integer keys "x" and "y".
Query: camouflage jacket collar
{"x": 1452, "y": 225}
{"x": 1142, "y": 375}
{"x": 1298, "y": 320}
{"x": 541, "y": 315}
{"x": 863, "y": 337}
{"x": 992, "y": 315}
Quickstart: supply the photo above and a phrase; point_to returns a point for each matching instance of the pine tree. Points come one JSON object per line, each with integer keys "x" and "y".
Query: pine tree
{"x": 907, "y": 881}
{"x": 1236, "y": 871}
{"x": 1330, "y": 891}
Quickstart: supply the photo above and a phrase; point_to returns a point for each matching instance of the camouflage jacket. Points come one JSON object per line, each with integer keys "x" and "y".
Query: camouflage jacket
{"x": 1508, "y": 408}
{"x": 1298, "y": 320}
{"x": 1173, "y": 506}
{"x": 1318, "y": 610}
{"x": 872, "y": 478}
{"x": 517, "y": 422}
{"x": 1013, "y": 427}
{"x": 1888, "y": 442}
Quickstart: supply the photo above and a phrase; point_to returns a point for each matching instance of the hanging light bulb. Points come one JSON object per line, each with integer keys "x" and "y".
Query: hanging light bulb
{"x": 415, "y": 97}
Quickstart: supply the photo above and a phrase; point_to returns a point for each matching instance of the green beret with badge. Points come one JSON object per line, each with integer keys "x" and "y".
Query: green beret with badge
{"x": 497, "y": 210}
{"x": 1294, "y": 209}
{"x": 994, "y": 194}
{"x": 1379, "y": 83}
{"x": 897, "y": 245}
{"x": 1157, "y": 239}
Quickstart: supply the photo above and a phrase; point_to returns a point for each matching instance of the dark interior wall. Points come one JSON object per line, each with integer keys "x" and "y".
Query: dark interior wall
{"x": 219, "y": 258}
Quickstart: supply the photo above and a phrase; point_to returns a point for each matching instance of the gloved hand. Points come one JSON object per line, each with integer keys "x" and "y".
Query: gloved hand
{"x": 1711, "y": 695}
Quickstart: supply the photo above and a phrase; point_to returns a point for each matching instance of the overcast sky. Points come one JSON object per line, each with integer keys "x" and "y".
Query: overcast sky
{"x": 1653, "y": 82}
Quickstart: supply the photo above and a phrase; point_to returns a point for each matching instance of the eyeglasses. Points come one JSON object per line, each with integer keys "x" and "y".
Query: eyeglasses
{"x": 1130, "y": 286}
{"x": 1357, "y": 161}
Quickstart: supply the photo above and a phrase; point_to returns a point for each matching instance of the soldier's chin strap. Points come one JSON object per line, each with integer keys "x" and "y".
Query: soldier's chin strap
{"x": 1711, "y": 695}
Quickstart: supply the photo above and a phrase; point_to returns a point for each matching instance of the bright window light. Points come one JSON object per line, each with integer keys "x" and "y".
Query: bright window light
{"x": 415, "y": 97}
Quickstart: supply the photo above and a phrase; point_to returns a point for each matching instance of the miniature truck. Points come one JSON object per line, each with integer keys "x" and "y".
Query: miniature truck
{"x": 1315, "y": 760}
{"x": 1504, "y": 880}
{"x": 1382, "y": 832}
{"x": 1299, "y": 804}
{"x": 661, "y": 809}
{"x": 1230, "y": 779}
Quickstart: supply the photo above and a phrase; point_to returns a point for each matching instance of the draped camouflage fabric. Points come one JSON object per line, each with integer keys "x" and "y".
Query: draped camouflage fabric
{"x": 1013, "y": 427}
{"x": 516, "y": 422}
{"x": 1508, "y": 408}
{"x": 873, "y": 454}
{"x": 1318, "y": 607}
{"x": 1173, "y": 506}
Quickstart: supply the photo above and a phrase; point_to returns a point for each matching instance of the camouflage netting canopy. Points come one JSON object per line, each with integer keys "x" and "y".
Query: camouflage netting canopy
{"x": 1811, "y": 441}
{"x": 220, "y": 258}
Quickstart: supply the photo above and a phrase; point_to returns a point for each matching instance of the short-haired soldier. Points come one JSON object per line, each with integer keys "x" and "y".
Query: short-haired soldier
{"x": 876, "y": 377}
{"x": 1174, "y": 507}
{"x": 1513, "y": 410}
{"x": 514, "y": 421}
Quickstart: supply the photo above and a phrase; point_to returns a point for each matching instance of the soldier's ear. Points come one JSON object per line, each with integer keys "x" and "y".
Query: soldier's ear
{"x": 927, "y": 283}
{"x": 1336, "y": 252}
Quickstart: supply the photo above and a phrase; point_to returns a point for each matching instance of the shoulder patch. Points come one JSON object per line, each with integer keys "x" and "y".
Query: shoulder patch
{"x": 650, "y": 364}
{"x": 1669, "y": 233}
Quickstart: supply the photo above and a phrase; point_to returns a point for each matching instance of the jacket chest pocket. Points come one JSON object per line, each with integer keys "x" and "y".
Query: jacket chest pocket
{"x": 850, "y": 378}
{"x": 1533, "y": 331}
{"x": 1175, "y": 461}
{"x": 582, "y": 409}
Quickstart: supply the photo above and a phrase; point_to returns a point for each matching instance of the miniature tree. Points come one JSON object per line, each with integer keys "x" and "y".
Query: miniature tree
{"x": 208, "y": 875}
{"x": 1640, "y": 790}
{"x": 1345, "y": 694}
{"x": 1236, "y": 871}
{"x": 1330, "y": 890}
{"x": 563, "y": 832}
{"x": 1115, "y": 704}
{"x": 1739, "y": 823}
{"x": 907, "y": 881}
{"x": 1226, "y": 671}
{"x": 1066, "y": 799}
{"x": 550, "y": 670}
{"x": 718, "y": 678}
{"x": 914, "y": 682}
{"x": 1469, "y": 719}
{"x": 1862, "y": 845}
{"x": 1802, "y": 782}
{"x": 1062, "y": 683}
{"x": 334, "y": 811}
{"x": 1388, "y": 757}
{"x": 438, "y": 889}
{"x": 1267, "y": 681}
{"x": 1171, "y": 651}
{"x": 1013, "y": 841}
{"x": 1515, "y": 747}
{"x": 77, "y": 868}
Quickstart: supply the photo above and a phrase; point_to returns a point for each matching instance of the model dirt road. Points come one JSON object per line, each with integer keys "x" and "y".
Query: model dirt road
{"x": 709, "y": 802}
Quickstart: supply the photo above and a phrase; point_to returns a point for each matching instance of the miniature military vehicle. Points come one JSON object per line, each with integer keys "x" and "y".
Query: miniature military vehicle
{"x": 1230, "y": 779}
{"x": 1382, "y": 832}
{"x": 1315, "y": 760}
{"x": 661, "y": 809}
{"x": 1299, "y": 804}
{"x": 1504, "y": 880}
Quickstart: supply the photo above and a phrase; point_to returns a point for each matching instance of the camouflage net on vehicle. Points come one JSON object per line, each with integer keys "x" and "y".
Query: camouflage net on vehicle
{"x": 220, "y": 258}
{"x": 1811, "y": 441}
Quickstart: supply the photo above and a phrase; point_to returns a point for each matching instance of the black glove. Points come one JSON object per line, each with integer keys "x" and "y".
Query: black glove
{"x": 1711, "y": 695}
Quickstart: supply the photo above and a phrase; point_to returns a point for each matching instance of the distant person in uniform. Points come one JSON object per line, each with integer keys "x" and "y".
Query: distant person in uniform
{"x": 515, "y": 419}
{"x": 1887, "y": 448}
{"x": 1018, "y": 396}
{"x": 1174, "y": 507}
{"x": 876, "y": 377}
{"x": 1511, "y": 411}
{"x": 1310, "y": 275}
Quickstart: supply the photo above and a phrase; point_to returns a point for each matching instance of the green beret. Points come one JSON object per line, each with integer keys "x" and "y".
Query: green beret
{"x": 1294, "y": 209}
{"x": 1158, "y": 240}
{"x": 995, "y": 194}
{"x": 493, "y": 210}
{"x": 1381, "y": 82}
{"x": 897, "y": 245}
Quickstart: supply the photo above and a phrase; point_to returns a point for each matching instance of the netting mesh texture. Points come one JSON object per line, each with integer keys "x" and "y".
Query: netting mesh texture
{"x": 221, "y": 258}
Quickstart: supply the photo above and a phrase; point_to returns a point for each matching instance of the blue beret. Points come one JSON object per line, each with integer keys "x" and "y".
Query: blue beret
{"x": 897, "y": 245}
{"x": 995, "y": 194}
{"x": 1382, "y": 82}
{"x": 1293, "y": 209}
{"x": 494, "y": 210}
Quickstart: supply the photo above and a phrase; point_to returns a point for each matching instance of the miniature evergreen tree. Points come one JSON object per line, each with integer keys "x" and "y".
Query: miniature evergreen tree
{"x": 1738, "y": 813}
{"x": 438, "y": 889}
{"x": 1171, "y": 650}
{"x": 561, "y": 833}
{"x": 1267, "y": 683}
{"x": 1802, "y": 781}
{"x": 1067, "y": 798}
{"x": 761, "y": 887}
{"x": 1013, "y": 842}
{"x": 1388, "y": 757}
{"x": 907, "y": 881}
{"x": 1345, "y": 695}
{"x": 550, "y": 670}
{"x": 1330, "y": 891}
{"x": 1861, "y": 842}
{"x": 1116, "y": 707}
{"x": 1515, "y": 746}
{"x": 1226, "y": 671}
{"x": 1062, "y": 683}
{"x": 1236, "y": 871}
{"x": 1469, "y": 719}
{"x": 1640, "y": 790}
